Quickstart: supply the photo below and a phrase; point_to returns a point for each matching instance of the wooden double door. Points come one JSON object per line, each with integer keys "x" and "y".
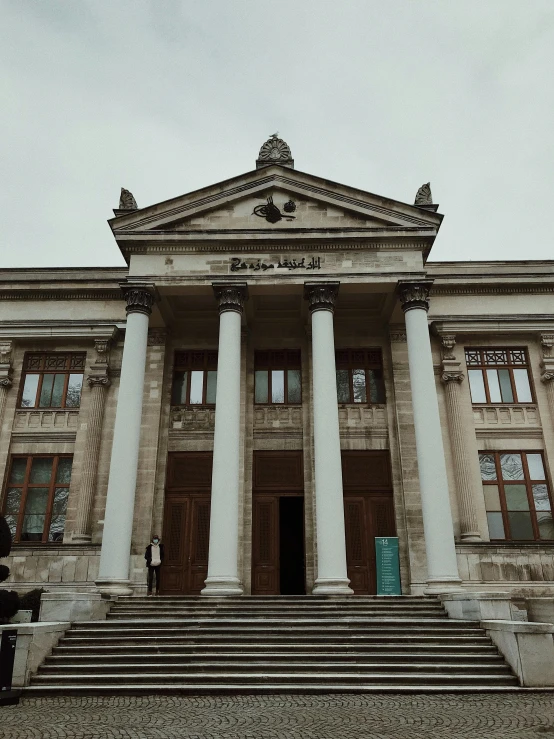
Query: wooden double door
{"x": 186, "y": 531}
{"x": 278, "y": 556}
{"x": 368, "y": 512}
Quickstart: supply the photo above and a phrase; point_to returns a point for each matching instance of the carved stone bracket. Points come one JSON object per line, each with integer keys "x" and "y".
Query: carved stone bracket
{"x": 102, "y": 380}
{"x": 448, "y": 342}
{"x": 99, "y": 369}
{"x": 140, "y": 299}
{"x": 414, "y": 294}
{"x": 547, "y": 373}
{"x": 230, "y": 296}
{"x": 6, "y": 356}
{"x": 547, "y": 344}
{"x": 321, "y": 295}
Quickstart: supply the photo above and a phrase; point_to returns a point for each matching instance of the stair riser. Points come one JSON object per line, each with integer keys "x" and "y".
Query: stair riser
{"x": 126, "y": 672}
{"x": 436, "y": 650}
{"x": 291, "y": 679}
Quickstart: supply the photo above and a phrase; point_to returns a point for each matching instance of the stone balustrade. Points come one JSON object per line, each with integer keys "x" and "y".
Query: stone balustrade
{"x": 192, "y": 419}
{"x": 362, "y": 416}
{"x": 506, "y": 415}
{"x": 277, "y": 417}
{"x": 47, "y": 420}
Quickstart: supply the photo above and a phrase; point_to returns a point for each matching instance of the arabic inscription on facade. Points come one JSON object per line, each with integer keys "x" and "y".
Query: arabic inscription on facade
{"x": 257, "y": 265}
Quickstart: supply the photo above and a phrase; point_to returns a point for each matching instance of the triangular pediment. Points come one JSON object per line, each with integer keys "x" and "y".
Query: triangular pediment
{"x": 271, "y": 200}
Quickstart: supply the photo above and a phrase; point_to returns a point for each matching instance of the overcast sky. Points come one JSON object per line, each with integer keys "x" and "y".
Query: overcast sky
{"x": 167, "y": 96}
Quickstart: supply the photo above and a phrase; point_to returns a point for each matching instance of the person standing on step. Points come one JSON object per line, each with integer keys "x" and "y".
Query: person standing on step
{"x": 154, "y": 556}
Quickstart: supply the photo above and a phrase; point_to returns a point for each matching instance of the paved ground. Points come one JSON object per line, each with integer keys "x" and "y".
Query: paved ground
{"x": 493, "y": 716}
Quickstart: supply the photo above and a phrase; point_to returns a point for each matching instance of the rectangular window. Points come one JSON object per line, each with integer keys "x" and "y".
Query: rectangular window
{"x": 52, "y": 380}
{"x": 517, "y": 497}
{"x": 498, "y": 376}
{"x": 194, "y": 378}
{"x": 35, "y": 498}
{"x": 277, "y": 377}
{"x": 359, "y": 376}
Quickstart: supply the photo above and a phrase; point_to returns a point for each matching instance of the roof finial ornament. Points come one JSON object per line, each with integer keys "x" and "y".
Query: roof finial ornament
{"x": 127, "y": 201}
{"x": 423, "y": 195}
{"x": 275, "y": 151}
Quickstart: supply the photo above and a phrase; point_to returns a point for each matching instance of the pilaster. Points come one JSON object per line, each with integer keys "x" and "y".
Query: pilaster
{"x": 461, "y": 437}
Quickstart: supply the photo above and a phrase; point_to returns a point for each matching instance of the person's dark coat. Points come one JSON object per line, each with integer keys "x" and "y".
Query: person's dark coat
{"x": 148, "y": 554}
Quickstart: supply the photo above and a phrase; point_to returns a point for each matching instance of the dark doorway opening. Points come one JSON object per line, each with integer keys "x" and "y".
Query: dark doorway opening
{"x": 291, "y": 545}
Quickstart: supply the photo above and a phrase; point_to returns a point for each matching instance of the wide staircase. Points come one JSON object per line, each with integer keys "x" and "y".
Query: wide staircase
{"x": 295, "y": 644}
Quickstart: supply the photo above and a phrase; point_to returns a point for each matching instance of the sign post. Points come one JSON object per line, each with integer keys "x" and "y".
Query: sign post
{"x": 388, "y": 565}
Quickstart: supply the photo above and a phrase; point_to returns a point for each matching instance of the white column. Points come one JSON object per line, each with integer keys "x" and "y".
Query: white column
{"x": 223, "y": 576}
{"x": 442, "y": 567}
{"x": 332, "y": 576}
{"x": 113, "y": 576}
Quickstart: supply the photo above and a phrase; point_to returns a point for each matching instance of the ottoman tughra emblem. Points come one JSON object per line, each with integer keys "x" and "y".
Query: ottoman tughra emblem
{"x": 271, "y": 212}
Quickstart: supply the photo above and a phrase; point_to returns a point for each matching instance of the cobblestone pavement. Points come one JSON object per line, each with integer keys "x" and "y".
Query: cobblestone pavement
{"x": 489, "y": 716}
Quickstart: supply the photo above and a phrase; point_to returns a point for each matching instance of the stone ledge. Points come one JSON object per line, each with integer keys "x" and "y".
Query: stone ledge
{"x": 518, "y": 627}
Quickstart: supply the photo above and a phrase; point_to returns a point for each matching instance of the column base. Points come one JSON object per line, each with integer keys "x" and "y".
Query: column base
{"x": 114, "y": 587}
{"x": 81, "y": 539}
{"x": 471, "y": 536}
{"x": 222, "y": 586}
{"x": 331, "y": 586}
{"x": 443, "y": 585}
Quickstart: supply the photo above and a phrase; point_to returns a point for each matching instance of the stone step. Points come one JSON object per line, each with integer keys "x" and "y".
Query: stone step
{"x": 130, "y": 657}
{"x": 453, "y": 648}
{"x": 290, "y": 678}
{"x": 403, "y": 686}
{"x": 234, "y": 605}
{"x": 165, "y": 668}
{"x": 280, "y": 599}
{"x": 192, "y": 614}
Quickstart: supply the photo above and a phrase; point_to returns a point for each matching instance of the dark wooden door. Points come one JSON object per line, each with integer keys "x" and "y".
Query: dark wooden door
{"x": 186, "y": 523}
{"x": 368, "y": 512}
{"x": 275, "y": 474}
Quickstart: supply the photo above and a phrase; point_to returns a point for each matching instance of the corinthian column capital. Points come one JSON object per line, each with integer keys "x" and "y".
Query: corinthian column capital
{"x": 321, "y": 295}
{"x": 139, "y": 298}
{"x": 230, "y": 296}
{"x": 6, "y": 349}
{"x": 414, "y": 294}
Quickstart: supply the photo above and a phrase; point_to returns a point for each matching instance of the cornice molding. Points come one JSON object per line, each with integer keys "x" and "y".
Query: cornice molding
{"x": 58, "y": 329}
{"x": 292, "y": 184}
{"x": 510, "y": 289}
{"x": 508, "y": 324}
{"x": 70, "y": 294}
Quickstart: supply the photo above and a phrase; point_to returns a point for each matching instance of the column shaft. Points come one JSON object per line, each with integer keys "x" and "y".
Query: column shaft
{"x": 469, "y": 529}
{"x": 113, "y": 576}
{"x": 223, "y": 576}
{"x": 89, "y": 473}
{"x": 332, "y": 575}
{"x": 442, "y": 566}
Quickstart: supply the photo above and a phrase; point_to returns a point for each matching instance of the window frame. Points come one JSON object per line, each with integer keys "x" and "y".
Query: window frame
{"x": 510, "y": 366}
{"x": 372, "y": 360}
{"x": 528, "y": 482}
{"x": 42, "y": 371}
{"x": 52, "y": 486}
{"x": 269, "y": 360}
{"x": 189, "y": 361}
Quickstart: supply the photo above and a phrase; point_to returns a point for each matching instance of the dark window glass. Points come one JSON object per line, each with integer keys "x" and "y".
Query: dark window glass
{"x": 359, "y": 376}
{"x": 517, "y": 498}
{"x": 52, "y": 380}
{"x": 35, "y": 500}
{"x": 194, "y": 378}
{"x": 498, "y": 376}
{"x": 277, "y": 377}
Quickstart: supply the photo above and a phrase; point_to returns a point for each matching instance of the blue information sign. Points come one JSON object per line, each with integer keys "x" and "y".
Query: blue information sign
{"x": 388, "y": 565}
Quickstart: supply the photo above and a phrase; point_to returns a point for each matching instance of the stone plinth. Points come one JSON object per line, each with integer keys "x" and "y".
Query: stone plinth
{"x": 71, "y": 606}
{"x": 528, "y": 648}
{"x": 34, "y": 642}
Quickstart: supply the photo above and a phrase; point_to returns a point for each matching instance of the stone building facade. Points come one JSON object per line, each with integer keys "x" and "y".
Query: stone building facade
{"x": 362, "y": 390}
